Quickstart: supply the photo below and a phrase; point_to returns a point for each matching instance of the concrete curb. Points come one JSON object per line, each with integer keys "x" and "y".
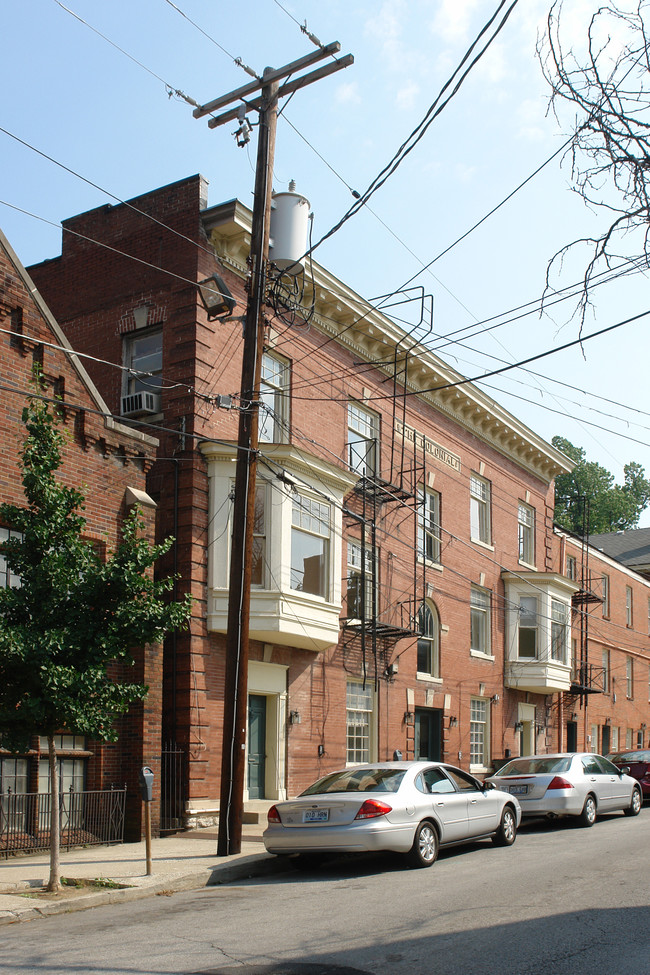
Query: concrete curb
{"x": 242, "y": 868}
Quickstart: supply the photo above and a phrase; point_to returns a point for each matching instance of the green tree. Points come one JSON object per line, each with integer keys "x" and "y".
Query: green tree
{"x": 612, "y": 507}
{"x": 68, "y": 629}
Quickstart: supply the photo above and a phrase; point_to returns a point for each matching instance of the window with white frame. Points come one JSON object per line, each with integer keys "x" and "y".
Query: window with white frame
{"x": 258, "y": 559}
{"x": 310, "y": 545}
{"x": 360, "y": 582}
{"x": 428, "y": 650}
{"x": 614, "y": 742}
{"x": 526, "y": 533}
{"x": 480, "y": 620}
{"x": 363, "y": 440}
{"x": 479, "y": 509}
{"x": 628, "y": 738}
{"x": 8, "y": 579}
{"x": 528, "y": 627}
{"x": 605, "y": 664}
{"x": 649, "y": 615}
{"x": 628, "y": 606}
{"x": 594, "y": 741}
{"x": 359, "y": 716}
{"x": 274, "y": 400}
{"x": 604, "y": 579}
{"x": 479, "y": 740}
{"x": 143, "y": 353}
{"x": 571, "y": 567}
{"x": 429, "y": 525}
{"x": 559, "y": 630}
{"x": 629, "y": 678}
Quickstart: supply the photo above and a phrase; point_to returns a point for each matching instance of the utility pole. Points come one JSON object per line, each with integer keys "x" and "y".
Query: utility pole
{"x": 236, "y": 678}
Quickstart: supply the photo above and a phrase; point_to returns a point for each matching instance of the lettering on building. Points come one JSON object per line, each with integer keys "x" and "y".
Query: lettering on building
{"x": 430, "y": 447}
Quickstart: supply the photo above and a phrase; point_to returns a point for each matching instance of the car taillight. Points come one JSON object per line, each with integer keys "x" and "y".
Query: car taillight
{"x": 559, "y": 783}
{"x": 273, "y": 815}
{"x": 373, "y": 808}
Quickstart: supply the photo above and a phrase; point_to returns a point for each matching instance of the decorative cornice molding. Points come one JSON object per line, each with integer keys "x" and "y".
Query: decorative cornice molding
{"x": 367, "y": 333}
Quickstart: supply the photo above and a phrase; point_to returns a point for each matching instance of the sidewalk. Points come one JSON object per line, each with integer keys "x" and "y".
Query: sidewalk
{"x": 184, "y": 861}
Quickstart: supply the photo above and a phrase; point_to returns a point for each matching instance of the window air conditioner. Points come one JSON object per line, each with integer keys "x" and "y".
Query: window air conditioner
{"x": 140, "y": 403}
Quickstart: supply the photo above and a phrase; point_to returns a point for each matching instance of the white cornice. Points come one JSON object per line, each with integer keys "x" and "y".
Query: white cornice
{"x": 373, "y": 337}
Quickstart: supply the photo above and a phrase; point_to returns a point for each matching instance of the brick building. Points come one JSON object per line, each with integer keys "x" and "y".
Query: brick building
{"x": 108, "y": 461}
{"x": 408, "y": 588}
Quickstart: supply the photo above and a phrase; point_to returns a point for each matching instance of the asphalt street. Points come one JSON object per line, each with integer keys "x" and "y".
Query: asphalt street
{"x": 561, "y": 900}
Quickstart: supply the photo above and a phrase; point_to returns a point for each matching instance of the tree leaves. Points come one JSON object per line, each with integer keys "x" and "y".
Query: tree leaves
{"x": 73, "y": 616}
{"x": 612, "y": 507}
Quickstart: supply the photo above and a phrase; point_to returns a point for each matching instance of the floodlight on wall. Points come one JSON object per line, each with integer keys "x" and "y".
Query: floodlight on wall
{"x": 216, "y": 297}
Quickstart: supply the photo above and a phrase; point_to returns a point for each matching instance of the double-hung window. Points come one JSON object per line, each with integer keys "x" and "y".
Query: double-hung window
{"x": 479, "y": 509}
{"x": 143, "y": 354}
{"x": 605, "y": 590}
{"x": 429, "y": 525}
{"x": 479, "y": 744}
{"x": 628, "y": 606}
{"x": 359, "y": 712}
{"x": 428, "y": 652}
{"x": 310, "y": 545}
{"x": 528, "y": 627}
{"x": 526, "y": 533}
{"x": 274, "y": 399}
{"x": 629, "y": 678}
{"x": 259, "y": 560}
{"x": 363, "y": 440}
{"x": 480, "y": 620}
{"x": 559, "y": 630}
{"x": 8, "y": 579}
{"x": 360, "y": 582}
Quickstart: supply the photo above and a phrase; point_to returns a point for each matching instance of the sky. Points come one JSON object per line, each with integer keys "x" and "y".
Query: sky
{"x": 90, "y": 116}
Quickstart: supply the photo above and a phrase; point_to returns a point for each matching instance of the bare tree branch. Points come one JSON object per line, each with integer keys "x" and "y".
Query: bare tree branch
{"x": 608, "y": 89}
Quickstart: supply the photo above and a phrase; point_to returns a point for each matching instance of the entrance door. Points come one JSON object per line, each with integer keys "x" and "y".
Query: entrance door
{"x": 605, "y": 747}
{"x": 428, "y": 734}
{"x": 572, "y": 736}
{"x": 256, "y": 745}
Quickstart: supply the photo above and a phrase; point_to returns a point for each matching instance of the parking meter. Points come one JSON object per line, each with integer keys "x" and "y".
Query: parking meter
{"x": 145, "y": 776}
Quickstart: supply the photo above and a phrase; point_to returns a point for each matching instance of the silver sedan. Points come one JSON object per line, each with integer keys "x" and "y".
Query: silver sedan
{"x": 405, "y": 807}
{"x": 572, "y": 784}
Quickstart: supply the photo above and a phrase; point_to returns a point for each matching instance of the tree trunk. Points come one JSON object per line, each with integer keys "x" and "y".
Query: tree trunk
{"x": 55, "y": 821}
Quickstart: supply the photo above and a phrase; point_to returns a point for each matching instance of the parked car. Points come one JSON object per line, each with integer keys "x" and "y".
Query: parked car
{"x": 406, "y": 807}
{"x": 572, "y": 784}
{"x": 636, "y": 764}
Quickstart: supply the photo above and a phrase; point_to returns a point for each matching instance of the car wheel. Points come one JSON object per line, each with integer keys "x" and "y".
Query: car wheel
{"x": 635, "y": 804}
{"x": 507, "y": 831}
{"x": 424, "y": 851}
{"x": 588, "y": 815}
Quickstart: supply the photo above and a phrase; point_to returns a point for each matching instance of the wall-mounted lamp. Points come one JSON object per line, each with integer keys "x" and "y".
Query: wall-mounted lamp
{"x": 392, "y": 669}
{"x": 321, "y": 751}
{"x": 495, "y": 699}
{"x": 574, "y": 716}
{"x": 216, "y": 297}
{"x": 409, "y": 717}
{"x": 453, "y": 722}
{"x": 519, "y": 725}
{"x": 608, "y": 720}
{"x": 294, "y": 717}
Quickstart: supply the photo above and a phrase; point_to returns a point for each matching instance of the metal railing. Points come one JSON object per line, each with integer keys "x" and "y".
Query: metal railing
{"x": 86, "y": 819}
{"x": 172, "y": 788}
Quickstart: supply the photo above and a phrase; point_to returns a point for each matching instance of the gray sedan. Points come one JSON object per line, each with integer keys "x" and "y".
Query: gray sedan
{"x": 571, "y": 784}
{"x": 406, "y": 807}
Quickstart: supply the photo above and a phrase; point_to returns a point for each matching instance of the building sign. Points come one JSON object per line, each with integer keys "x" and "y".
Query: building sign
{"x": 430, "y": 447}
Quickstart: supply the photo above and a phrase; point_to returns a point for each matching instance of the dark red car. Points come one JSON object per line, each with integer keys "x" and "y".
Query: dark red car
{"x": 637, "y": 764}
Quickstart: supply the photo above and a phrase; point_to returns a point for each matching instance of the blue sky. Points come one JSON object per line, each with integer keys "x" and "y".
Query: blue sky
{"x": 105, "y": 114}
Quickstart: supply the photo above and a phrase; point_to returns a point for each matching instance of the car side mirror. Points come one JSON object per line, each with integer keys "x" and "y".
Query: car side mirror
{"x": 488, "y": 785}
{"x": 624, "y": 770}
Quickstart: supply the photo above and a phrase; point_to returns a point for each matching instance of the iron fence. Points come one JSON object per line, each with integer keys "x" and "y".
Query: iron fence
{"x": 172, "y": 789}
{"x": 86, "y": 819}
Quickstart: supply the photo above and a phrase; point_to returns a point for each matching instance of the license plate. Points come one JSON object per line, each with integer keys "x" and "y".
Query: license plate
{"x": 315, "y": 815}
{"x": 518, "y": 790}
